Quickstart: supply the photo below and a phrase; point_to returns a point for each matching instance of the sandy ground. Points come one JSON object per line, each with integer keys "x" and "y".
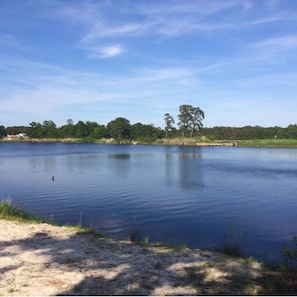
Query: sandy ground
{"x": 41, "y": 259}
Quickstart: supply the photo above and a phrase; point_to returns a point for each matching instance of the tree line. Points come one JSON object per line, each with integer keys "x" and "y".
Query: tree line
{"x": 250, "y": 132}
{"x": 190, "y": 122}
{"x": 89, "y": 131}
{"x": 189, "y": 125}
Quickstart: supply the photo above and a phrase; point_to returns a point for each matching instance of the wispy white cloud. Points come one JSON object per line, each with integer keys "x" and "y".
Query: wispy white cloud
{"x": 99, "y": 30}
{"x": 207, "y": 8}
{"x": 273, "y": 51}
{"x": 106, "y": 19}
{"x": 280, "y": 43}
{"x": 47, "y": 91}
{"x": 171, "y": 18}
{"x": 105, "y": 51}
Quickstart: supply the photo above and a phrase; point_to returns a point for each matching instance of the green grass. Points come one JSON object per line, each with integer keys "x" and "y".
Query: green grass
{"x": 268, "y": 143}
{"x": 248, "y": 143}
{"x": 279, "y": 280}
{"x": 9, "y": 211}
{"x": 88, "y": 231}
{"x": 177, "y": 141}
{"x": 232, "y": 244}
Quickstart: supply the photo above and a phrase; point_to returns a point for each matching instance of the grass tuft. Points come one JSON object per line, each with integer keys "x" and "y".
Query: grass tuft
{"x": 232, "y": 246}
{"x": 9, "y": 211}
{"x": 290, "y": 254}
{"x": 134, "y": 236}
{"x": 279, "y": 281}
{"x": 90, "y": 231}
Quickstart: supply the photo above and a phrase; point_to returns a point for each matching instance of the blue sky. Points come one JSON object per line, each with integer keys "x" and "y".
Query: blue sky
{"x": 139, "y": 59}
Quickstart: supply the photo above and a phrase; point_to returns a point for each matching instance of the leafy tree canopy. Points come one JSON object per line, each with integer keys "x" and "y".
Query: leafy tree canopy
{"x": 119, "y": 128}
{"x": 190, "y": 119}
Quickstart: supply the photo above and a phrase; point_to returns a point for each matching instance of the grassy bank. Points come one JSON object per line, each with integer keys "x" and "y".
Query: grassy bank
{"x": 45, "y": 140}
{"x": 9, "y": 211}
{"x": 273, "y": 143}
{"x": 197, "y": 141}
{"x": 281, "y": 143}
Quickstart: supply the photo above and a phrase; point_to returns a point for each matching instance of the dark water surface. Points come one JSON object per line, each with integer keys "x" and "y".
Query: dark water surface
{"x": 182, "y": 195}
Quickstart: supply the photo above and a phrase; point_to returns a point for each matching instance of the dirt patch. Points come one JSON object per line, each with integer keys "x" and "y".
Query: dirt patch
{"x": 42, "y": 259}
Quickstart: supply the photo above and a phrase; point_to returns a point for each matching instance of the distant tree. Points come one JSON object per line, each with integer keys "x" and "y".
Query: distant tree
{"x": 90, "y": 127}
{"x": 99, "y": 132}
{"x": 95, "y": 131}
{"x": 196, "y": 121}
{"x": 146, "y": 133}
{"x": 137, "y": 131}
{"x": 2, "y": 131}
{"x": 16, "y": 129}
{"x": 119, "y": 128}
{"x": 292, "y": 131}
{"x": 35, "y": 130}
{"x": 80, "y": 130}
{"x": 70, "y": 122}
{"x": 169, "y": 121}
{"x": 250, "y": 132}
{"x": 67, "y": 130}
{"x": 49, "y": 129}
{"x": 190, "y": 119}
{"x": 184, "y": 118}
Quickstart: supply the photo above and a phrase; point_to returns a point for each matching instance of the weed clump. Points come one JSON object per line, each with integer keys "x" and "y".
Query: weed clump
{"x": 134, "y": 236}
{"x": 9, "y": 211}
{"x": 290, "y": 254}
{"x": 232, "y": 246}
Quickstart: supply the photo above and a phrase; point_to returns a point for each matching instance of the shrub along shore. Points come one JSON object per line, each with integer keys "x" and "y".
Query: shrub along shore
{"x": 270, "y": 280}
{"x": 271, "y": 143}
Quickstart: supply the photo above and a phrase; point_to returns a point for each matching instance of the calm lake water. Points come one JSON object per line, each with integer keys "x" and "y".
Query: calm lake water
{"x": 182, "y": 195}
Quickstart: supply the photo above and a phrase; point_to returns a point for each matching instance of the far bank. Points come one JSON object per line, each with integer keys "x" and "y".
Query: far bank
{"x": 199, "y": 141}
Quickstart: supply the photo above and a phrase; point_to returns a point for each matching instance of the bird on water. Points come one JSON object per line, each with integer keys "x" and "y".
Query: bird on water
{"x": 53, "y": 178}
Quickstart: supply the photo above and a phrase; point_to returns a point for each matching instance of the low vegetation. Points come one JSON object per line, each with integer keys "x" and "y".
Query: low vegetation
{"x": 282, "y": 279}
{"x": 9, "y": 211}
{"x": 268, "y": 143}
{"x": 233, "y": 245}
{"x": 289, "y": 253}
{"x": 196, "y": 141}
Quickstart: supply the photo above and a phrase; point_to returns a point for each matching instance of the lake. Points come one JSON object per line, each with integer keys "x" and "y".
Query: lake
{"x": 198, "y": 196}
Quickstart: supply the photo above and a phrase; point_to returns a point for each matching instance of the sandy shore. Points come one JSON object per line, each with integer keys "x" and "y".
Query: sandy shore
{"x": 41, "y": 259}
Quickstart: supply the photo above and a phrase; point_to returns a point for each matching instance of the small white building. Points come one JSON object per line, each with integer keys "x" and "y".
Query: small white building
{"x": 16, "y": 137}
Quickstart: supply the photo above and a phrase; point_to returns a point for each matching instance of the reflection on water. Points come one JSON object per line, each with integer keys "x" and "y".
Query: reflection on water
{"x": 119, "y": 156}
{"x": 190, "y": 171}
{"x": 184, "y": 195}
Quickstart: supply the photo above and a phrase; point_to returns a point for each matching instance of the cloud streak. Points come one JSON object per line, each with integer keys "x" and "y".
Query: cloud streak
{"x": 105, "y": 51}
{"x": 171, "y": 18}
{"x": 281, "y": 43}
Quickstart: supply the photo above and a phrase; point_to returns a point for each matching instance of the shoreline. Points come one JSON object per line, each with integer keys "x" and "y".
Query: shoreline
{"x": 39, "y": 258}
{"x": 43, "y": 259}
{"x": 258, "y": 143}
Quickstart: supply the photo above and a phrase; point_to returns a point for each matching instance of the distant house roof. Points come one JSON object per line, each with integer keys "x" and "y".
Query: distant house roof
{"x": 16, "y": 137}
